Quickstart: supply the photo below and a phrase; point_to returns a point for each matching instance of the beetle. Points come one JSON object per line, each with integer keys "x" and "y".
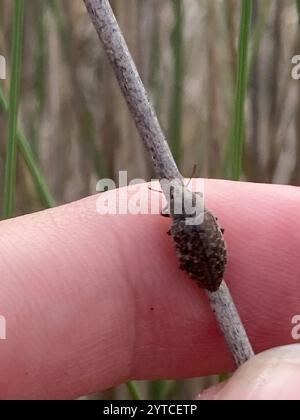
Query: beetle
{"x": 201, "y": 247}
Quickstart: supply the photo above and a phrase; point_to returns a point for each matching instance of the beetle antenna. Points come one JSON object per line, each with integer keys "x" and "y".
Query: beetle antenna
{"x": 195, "y": 167}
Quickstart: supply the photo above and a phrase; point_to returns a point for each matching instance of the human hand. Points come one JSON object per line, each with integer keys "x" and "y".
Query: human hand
{"x": 272, "y": 375}
{"x": 92, "y": 301}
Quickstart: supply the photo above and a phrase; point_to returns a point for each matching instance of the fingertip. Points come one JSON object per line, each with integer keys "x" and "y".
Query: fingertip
{"x": 272, "y": 375}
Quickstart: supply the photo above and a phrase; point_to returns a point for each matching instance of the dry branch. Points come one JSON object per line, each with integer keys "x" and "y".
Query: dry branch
{"x": 155, "y": 142}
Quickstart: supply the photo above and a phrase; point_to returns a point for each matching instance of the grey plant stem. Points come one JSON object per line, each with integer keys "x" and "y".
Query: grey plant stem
{"x": 155, "y": 142}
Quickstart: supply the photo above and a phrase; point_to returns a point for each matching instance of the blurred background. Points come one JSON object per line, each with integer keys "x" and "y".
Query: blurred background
{"x": 77, "y": 124}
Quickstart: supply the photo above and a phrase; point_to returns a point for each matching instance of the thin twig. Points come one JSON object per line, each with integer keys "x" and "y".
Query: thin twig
{"x": 154, "y": 140}
{"x": 231, "y": 325}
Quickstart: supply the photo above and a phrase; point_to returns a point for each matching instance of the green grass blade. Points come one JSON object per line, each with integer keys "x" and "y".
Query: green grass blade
{"x": 237, "y": 139}
{"x": 298, "y": 9}
{"x": 134, "y": 391}
{"x": 224, "y": 377}
{"x": 258, "y": 33}
{"x": 11, "y": 156}
{"x": 161, "y": 389}
{"x": 175, "y": 129}
{"x": 28, "y": 156}
{"x": 38, "y": 179}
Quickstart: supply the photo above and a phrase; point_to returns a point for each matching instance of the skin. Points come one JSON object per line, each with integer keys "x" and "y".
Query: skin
{"x": 92, "y": 301}
{"x": 272, "y": 375}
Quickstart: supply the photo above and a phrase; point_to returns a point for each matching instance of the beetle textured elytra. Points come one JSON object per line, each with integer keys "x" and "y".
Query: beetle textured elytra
{"x": 201, "y": 248}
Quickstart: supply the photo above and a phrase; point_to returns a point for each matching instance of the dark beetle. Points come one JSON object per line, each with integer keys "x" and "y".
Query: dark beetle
{"x": 200, "y": 247}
